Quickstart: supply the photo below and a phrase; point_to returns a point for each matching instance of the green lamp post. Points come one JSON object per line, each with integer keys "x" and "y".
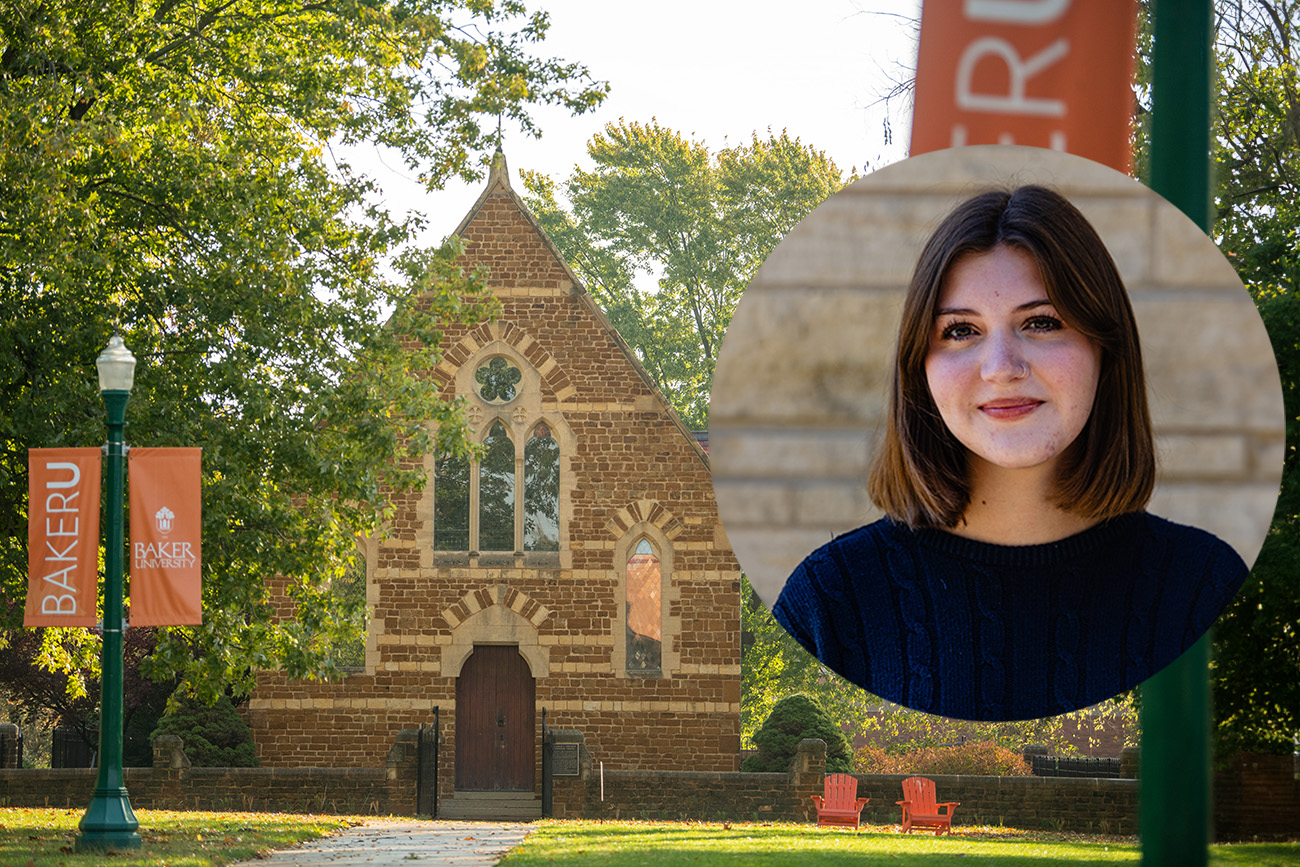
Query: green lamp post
{"x": 1175, "y": 807}
{"x": 109, "y": 822}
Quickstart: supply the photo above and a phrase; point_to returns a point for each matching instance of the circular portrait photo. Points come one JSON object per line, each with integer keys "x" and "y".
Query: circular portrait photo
{"x": 996, "y": 432}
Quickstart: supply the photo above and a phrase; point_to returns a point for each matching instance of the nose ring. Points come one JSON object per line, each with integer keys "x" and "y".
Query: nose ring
{"x": 1022, "y": 370}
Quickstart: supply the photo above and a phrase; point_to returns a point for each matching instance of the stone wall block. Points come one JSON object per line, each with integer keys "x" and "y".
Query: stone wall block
{"x": 169, "y": 752}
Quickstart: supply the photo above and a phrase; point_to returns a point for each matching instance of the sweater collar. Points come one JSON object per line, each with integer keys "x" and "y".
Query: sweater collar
{"x": 1117, "y": 531}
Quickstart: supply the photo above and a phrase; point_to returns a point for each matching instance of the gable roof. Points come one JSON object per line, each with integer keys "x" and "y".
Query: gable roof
{"x": 498, "y": 184}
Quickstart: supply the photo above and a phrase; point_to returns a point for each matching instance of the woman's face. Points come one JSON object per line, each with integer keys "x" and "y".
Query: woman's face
{"x": 1013, "y": 382}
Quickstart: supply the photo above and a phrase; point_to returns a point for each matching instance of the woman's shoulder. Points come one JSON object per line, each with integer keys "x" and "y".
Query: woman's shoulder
{"x": 1188, "y": 573}
{"x": 1191, "y": 547}
{"x": 839, "y": 562}
{"x": 851, "y": 546}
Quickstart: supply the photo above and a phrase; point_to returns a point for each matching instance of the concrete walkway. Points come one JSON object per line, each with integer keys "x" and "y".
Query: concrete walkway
{"x": 392, "y": 842}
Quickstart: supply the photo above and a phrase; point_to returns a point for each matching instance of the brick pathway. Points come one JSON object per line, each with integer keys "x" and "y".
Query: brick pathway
{"x": 401, "y": 842}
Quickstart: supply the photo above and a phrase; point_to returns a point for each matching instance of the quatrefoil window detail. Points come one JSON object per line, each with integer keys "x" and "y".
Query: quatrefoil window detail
{"x": 497, "y": 380}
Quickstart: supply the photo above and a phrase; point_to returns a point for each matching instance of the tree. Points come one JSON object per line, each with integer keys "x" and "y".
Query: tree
{"x": 773, "y": 666}
{"x": 214, "y": 735}
{"x": 795, "y": 718}
{"x": 168, "y": 169}
{"x": 39, "y": 687}
{"x": 659, "y": 205}
{"x": 1256, "y": 670}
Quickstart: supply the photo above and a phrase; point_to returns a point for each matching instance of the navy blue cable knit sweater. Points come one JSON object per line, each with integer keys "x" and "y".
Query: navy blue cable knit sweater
{"x": 967, "y": 629}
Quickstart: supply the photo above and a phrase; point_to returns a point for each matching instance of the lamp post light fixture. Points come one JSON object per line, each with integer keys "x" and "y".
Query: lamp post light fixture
{"x": 109, "y": 822}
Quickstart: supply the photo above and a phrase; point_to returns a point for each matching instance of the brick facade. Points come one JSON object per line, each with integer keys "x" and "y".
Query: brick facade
{"x": 628, "y": 470}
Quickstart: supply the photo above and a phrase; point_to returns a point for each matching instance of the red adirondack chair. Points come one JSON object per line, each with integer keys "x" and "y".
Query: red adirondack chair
{"x": 840, "y": 805}
{"x": 920, "y": 810}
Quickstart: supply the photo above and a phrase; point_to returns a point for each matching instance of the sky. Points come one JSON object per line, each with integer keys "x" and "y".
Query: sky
{"x": 715, "y": 70}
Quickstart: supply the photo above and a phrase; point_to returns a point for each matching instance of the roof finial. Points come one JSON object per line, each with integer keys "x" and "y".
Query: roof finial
{"x": 500, "y": 173}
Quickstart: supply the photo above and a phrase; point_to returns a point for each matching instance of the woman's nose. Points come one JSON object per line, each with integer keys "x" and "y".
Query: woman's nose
{"x": 1003, "y": 360}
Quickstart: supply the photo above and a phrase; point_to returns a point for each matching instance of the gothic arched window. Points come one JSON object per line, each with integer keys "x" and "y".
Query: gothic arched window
{"x": 508, "y": 500}
{"x": 451, "y": 504}
{"x": 496, "y": 492}
{"x": 542, "y": 491}
{"x": 644, "y": 610}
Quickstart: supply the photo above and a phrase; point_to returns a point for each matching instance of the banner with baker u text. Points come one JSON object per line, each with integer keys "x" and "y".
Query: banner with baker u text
{"x": 1046, "y": 73}
{"x": 166, "y": 526}
{"x": 62, "y": 537}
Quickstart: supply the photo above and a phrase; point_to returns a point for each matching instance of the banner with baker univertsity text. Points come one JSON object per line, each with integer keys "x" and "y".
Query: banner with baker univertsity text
{"x": 1047, "y": 73}
{"x": 62, "y": 536}
{"x": 166, "y": 529}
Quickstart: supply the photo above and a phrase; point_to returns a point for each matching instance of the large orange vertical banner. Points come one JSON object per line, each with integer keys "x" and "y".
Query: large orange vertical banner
{"x": 1046, "y": 73}
{"x": 62, "y": 537}
{"x": 166, "y": 529}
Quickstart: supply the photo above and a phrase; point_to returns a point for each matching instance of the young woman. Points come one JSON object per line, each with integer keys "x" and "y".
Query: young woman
{"x": 1015, "y": 574}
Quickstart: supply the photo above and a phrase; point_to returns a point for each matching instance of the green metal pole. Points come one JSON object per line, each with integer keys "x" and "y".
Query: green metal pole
{"x": 1175, "y": 799}
{"x": 110, "y": 822}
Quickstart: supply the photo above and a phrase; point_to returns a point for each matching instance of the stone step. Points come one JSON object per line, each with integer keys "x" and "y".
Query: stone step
{"x": 498, "y": 806}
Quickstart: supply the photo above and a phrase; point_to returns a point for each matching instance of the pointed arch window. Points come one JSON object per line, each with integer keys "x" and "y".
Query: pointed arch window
{"x": 496, "y": 491}
{"x": 506, "y": 501}
{"x": 644, "y": 610}
{"x": 451, "y": 504}
{"x": 542, "y": 491}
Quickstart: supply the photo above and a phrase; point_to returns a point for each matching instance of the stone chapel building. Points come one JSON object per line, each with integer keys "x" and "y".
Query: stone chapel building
{"x": 579, "y": 567}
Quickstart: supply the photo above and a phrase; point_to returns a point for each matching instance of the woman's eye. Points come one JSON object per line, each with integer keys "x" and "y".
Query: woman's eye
{"x": 1044, "y": 323}
{"x": 958, "y": 331}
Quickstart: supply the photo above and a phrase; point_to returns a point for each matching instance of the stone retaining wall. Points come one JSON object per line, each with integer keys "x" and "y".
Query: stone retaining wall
{"x": 1055, "y": 803}
{"x": 173, "y": 785}
{"x": 1258, "y": 796}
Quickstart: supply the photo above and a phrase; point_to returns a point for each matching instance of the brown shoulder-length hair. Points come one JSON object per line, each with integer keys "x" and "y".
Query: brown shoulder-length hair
{"x": 919, "y": 476}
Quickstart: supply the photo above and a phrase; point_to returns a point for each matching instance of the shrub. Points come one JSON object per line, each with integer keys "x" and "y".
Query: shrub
{"x": 215, "y": 735}
{"x": 794, "y": 718}
{"x": 981, "y": 758}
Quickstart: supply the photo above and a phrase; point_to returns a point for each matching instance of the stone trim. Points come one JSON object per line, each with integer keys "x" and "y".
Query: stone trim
{"x": 503, "y": 338}
{"x": 520, "y": 417}
{"x": 650, "y": 512}
{"x": 499, "y": 614}
{"x": 670, "y": 594}
{"x": 703, "y": 708}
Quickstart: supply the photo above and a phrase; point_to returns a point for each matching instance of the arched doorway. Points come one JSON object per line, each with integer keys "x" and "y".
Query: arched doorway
{"x": 495, "y": 709}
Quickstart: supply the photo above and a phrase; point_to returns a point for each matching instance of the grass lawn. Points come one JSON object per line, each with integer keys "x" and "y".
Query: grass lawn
{"x": 670, "y": 844}
{"x": 43, "y": 837}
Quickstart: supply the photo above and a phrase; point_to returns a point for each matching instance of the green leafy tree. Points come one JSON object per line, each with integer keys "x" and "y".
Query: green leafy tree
{"x": 1256, "y": 670}
{"x": 774, "y": 666}
{"x": 658, "y": 205}
{"x": 168, "y": 168}
{"x": 793, "y": 719}
{"x": 214, "y": 734}
{"x": 40, "y": 691}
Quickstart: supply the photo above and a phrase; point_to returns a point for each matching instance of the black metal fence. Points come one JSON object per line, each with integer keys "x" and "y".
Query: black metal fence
{"x": 72, "y": 749}
{"x": 426, "y": 769}
{"x": 1074, "y": 766}
{"x": 548, "y": 771}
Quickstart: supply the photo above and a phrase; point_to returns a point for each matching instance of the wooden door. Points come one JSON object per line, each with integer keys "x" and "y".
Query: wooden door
{"x": 495, "y": 701}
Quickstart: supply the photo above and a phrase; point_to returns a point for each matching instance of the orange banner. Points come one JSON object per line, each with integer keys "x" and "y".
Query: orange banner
{"x": 1046, "y": 73}
{"x": 166, "y": 528}
{"x": 62, "y": 537}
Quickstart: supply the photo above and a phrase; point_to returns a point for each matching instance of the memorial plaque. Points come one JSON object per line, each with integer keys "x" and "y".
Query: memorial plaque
{"x": 564, "y": 760}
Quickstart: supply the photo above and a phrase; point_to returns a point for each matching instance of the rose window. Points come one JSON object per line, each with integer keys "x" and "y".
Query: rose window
{"x": 497, "y": 380}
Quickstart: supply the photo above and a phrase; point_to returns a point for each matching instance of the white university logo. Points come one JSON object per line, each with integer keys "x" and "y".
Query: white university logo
{"x": 164, "y": 518}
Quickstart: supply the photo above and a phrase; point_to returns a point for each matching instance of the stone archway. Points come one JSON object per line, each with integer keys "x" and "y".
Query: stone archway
{"x": 498, "y": 614}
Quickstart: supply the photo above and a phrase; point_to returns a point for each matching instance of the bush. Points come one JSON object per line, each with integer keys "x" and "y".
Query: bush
{"x": 794, "y": 718}
{"x": 982, "y": 758}
{"x": 215, "y": 735}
